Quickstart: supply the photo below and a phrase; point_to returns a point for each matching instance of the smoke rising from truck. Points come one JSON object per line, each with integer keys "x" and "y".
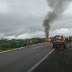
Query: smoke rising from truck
{"x": 57, "y": 8}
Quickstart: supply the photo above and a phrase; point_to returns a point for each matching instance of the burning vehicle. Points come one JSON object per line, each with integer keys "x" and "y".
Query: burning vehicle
{"x": 47, "y": 39}
{"x": 57, "y": 8}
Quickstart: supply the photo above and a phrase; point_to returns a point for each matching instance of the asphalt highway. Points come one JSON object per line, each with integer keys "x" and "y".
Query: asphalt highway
{"x": 23, "y": 59}
{"x": 58, "y": 61}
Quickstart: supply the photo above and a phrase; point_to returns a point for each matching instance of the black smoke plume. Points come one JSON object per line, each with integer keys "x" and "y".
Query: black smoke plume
{"x": 57, "y": 8}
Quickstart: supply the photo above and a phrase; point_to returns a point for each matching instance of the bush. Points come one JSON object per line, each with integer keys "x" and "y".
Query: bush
{"x": 10, "y": 44}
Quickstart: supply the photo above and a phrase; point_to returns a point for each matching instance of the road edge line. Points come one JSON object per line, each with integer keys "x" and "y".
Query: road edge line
{"x": 11, "y": 50}
{"x": 38, "y": 63}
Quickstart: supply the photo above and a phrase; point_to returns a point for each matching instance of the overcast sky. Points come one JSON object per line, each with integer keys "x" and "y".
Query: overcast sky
{"x": 24, "y": 19}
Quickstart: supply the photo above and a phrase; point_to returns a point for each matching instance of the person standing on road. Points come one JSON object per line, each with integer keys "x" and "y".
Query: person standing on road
{"x": 70, "y": 44}
{"x": 18, "y": 44}
{"x": 66, "y": 40}
{"x": 36, "y": 41}
{"x": 24, "y": 43}
{"x": 28, "y": 43}
{"x": 69, "y": 39}
{"x": 42, "y": 40}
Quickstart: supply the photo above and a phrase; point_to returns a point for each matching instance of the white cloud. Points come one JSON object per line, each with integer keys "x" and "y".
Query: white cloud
{"x": 28, "y": 7}
{"x": 68, "y": 11}
{"x": 10, "y": 37}
{"x": 3, "y": 7}
{"x": 63, "y": 31}
{"x": 31, "y": 35}
{"x": 25, "y": 17}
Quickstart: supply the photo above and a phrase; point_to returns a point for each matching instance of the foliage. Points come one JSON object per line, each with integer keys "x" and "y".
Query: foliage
{"x": 6, "y": 44}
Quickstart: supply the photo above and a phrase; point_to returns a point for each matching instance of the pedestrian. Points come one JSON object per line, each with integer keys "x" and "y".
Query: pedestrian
{"x": 69, "y": 39}
{"x": 28, "y": 43}
{"x": 18, "y": 44}
{"x": 24, "y": 43}
{"x": 70, "y": 43}
{"x": 36, "y": 41}
{"x": 66, "y": 40}
{"x": 43, "y": 40}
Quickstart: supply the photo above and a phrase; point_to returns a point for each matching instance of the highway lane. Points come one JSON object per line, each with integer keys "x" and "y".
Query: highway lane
{"x": 58, "y": 61}
{"x": 23, "y": 59}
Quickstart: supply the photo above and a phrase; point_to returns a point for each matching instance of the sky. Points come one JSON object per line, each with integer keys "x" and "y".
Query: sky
{"x": 24, "y": 19}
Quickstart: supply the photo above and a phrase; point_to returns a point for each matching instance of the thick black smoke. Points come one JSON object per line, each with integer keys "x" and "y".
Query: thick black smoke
{"x": 57, "y": 8}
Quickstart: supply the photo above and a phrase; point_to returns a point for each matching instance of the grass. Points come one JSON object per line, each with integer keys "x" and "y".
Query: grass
{"x": 6, "y": 44}
{"x": 7, "y": 49}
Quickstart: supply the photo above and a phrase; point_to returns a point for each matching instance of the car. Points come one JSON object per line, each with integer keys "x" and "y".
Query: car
{"x": 58, "y": 41}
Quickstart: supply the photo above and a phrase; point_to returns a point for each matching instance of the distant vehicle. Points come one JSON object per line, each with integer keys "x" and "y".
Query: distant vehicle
{"x": 59, "y": 41}
{"x": 47, "y": 39}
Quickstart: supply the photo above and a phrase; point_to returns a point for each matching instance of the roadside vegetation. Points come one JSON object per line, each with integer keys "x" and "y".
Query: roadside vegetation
{"x": 6, "y": 44}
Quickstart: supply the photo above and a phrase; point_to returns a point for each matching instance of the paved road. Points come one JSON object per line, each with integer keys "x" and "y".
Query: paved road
{"x": 22, "y": 60}
{"x": 58, "y": 61}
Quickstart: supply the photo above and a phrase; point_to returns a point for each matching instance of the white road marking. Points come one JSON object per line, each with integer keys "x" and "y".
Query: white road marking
{"x": 37, "y": 64}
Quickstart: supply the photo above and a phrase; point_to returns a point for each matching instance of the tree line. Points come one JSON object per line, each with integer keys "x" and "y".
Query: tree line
{"x": 6, "y": 44}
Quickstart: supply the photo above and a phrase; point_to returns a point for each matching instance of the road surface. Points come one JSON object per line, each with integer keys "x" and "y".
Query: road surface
{"x": 58, "y": 61}
{"x": 23, "y": 59}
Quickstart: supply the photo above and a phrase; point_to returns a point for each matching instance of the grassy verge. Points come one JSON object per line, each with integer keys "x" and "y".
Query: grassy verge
{"x": 7, "y": 49}
{"x": 12, "y": 44}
